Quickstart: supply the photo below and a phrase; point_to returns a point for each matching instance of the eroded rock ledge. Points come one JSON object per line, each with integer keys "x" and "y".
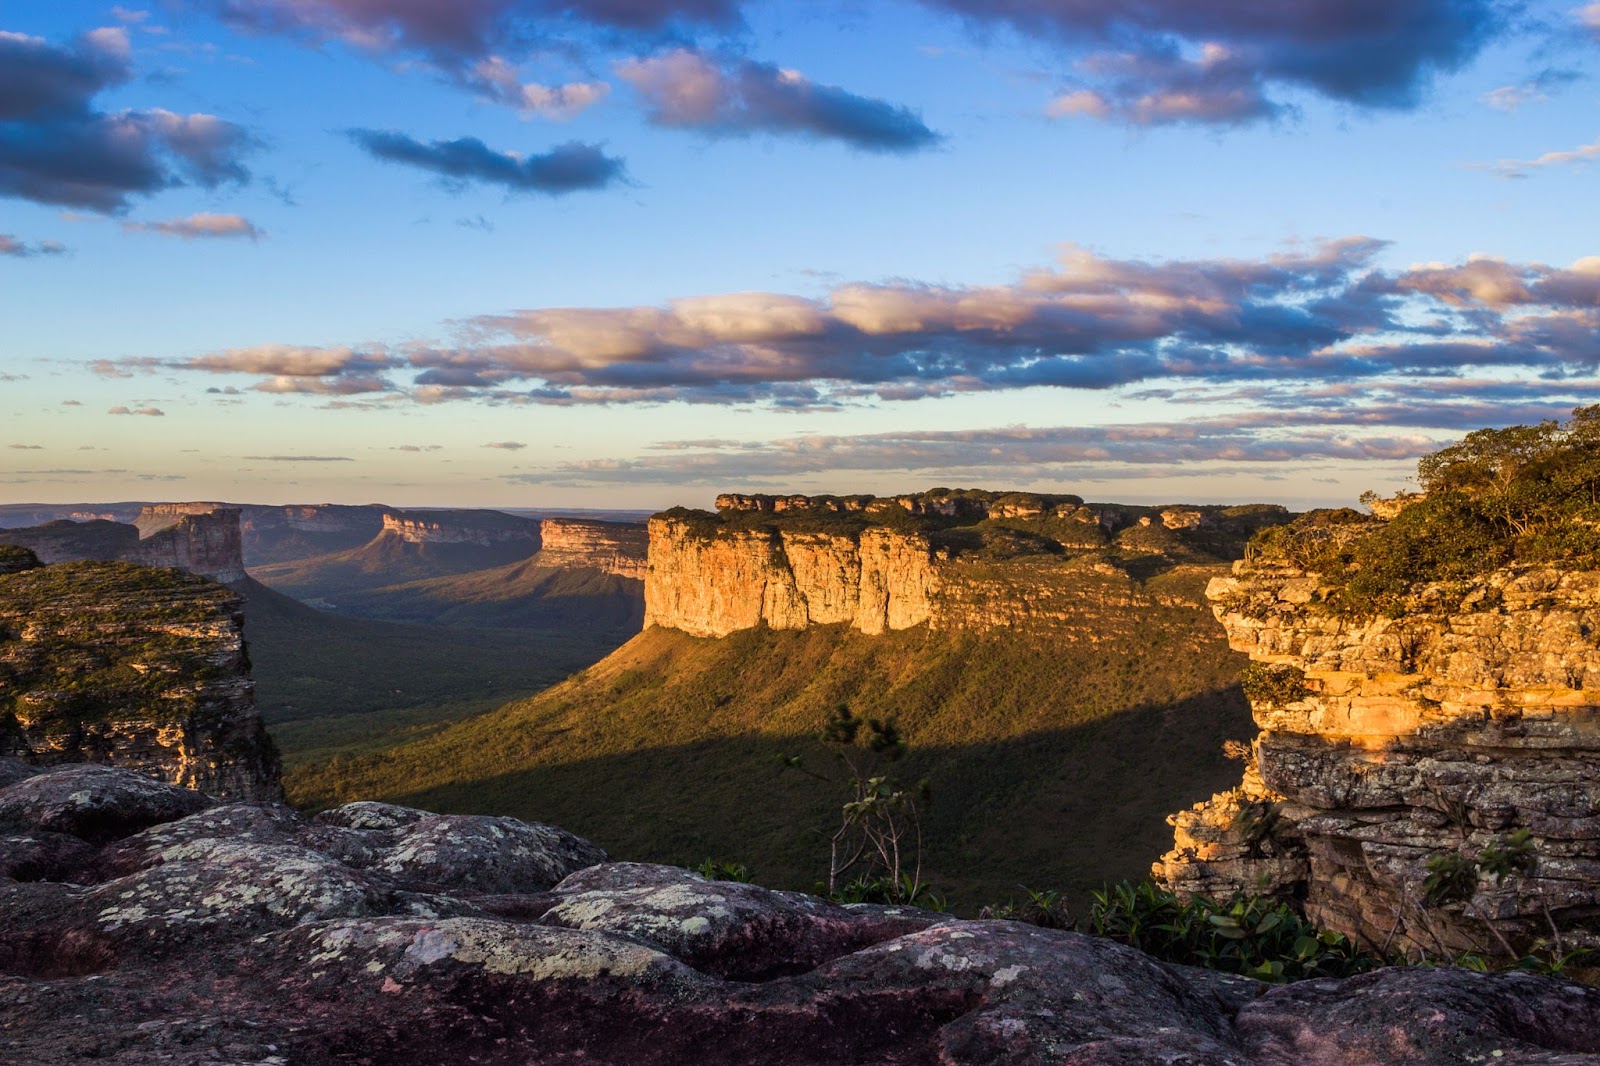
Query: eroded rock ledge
{"x": 142, "y": 923}
{"x": 1387, "y": 741}
{"x": 132, "y": 666}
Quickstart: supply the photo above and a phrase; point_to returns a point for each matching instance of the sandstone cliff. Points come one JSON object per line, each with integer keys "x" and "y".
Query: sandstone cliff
{"x": 617, "y": 548}
{"x": 480, "y": 528}
{"x": 134, "y": 667}
{"x": 1388, "y": 741}
{"x": 712, "y": 585}
{"x": 202, "y": 538}
{"x": 951, "y": 559}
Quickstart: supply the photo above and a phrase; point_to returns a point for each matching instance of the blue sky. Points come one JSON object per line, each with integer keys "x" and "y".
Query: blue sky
{"x": 635, "y": 252}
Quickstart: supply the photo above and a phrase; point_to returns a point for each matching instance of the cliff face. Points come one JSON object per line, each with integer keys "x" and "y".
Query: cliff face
{"x": 1386, "y": 742}
{"x": 202, "y": 538}
{"x": 132, "y": 667}
{"x": 481, "y": 528}
{"x": 711, "y": 586}
{"x": 610, "y": 547}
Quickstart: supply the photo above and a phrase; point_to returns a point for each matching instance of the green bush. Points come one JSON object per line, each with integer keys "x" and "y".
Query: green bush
{"x": 1274, "y": 685}
{"x": 1247, "y": 935}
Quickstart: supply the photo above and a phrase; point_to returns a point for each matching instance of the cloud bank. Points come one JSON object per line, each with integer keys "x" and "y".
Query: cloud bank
{"x": 1322, "y": 317}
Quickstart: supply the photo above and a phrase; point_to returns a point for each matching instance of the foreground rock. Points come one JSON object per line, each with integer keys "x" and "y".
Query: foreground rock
{"x": 145, "y": 924}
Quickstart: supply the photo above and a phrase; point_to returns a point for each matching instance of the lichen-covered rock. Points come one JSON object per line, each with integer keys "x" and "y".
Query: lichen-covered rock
{"x": 246, "y": 934}
{"x": 738, "y": 931}
{"x": 96, "y": 803}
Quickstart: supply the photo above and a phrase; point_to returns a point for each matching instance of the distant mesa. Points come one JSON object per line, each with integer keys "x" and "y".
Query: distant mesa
{"x": 202, "y": 538}
{"x": 949, "y": 558}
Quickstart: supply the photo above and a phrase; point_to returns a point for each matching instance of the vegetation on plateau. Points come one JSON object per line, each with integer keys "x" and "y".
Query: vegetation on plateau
{"x": 1054, "y": 757}
{"x": 1520, "y": 496}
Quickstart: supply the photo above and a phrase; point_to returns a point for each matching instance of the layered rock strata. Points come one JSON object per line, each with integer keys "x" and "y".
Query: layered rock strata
{"x": 374, "y": 933}
{"x": 480, "y": 528}
{"x": 712, "y": 585}
{"x": 202, "y": 538}
{"x": 1389, "y": 741}
{"x": 132, "y": 667}
{"x": 618, "y": 548}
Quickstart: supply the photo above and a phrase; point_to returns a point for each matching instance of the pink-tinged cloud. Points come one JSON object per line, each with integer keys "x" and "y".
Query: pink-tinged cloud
{"x": 1315, "y": 315}
{"x": 11, "y": 246}
{"x": 685, "y": 89}
{"x": 149, "y": 412}
{"x": 200, "y": 226}
{"x": 506, "y": 445}
{"x": 1522, "y": 168}
{"x": 1159, "y": 56}
{"x": 1163, "y": 88}
{"x": 493, "y": 78}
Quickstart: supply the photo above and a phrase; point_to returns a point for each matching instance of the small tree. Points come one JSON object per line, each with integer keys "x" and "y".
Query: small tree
{"x": 880, "y": 825}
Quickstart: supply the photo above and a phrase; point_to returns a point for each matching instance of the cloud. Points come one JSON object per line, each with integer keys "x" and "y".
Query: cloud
{"x": 685, "y": 89}
{"x": 1520, "y": 168}
{"x": 151, "y": 412}
{"x": 1162, "y": 87}
{"x": 55, "y": 148}
{"x": 203, "y": 225}
{"x": 1371, "y": 55}
{"x": 462, "y": 28}
{"x": 418, "y": 448}
{"x": 299, "y": 458}
{"x": 71, "y": 403}
{"x": 26, "y": 447}
{"x": 1317, "y": 316}
{"x": 495, "y": 79}
{"x": 1511, "y": 98}
{"x": 1007, "y": 454}
{"x": 564, "y": 169}
{"x": 1588, "y": 17}
{"x": 507, "y": 445}
{"x": 10, "y": 246}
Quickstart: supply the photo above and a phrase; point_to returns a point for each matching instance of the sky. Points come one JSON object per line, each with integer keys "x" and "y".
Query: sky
{"x": 633, "y": 253}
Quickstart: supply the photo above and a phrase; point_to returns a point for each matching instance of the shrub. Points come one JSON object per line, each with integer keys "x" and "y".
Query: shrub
{"x": 1274, "y": 685}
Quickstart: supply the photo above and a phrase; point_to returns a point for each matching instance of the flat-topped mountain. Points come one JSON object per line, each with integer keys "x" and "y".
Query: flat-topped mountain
{"x": 965, "y": 559}
{"x": 202, "y": 538}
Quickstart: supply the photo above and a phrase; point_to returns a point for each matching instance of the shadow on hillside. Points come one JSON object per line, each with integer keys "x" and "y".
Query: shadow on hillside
{"x": 1067, "y": 808}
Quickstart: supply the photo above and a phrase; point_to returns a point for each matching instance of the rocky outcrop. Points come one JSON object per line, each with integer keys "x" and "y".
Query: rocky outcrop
{"x": 189, "y": 933}
{"x": 132, "y": 667}
{"x": 202, "y": 538}
{"x": 618, "y": 548}
{"x": 1470, "y": 716}
{"x": 713, "y": 584}
{"x": 479, "y": 528}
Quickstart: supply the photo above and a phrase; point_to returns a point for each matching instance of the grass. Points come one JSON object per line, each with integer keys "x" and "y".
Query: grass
{"x": 1054, "y": 757}
{"x": 326, "y": 683}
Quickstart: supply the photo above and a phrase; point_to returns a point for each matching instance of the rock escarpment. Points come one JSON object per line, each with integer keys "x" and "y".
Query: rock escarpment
{"x": 617, "y": 548}
{"x": 480, "y": 528}
{"x": 712, "y": 585}
{"x": 1385, "y": 742}
{"x": 374, "y": 933}
{"x": 202, "y": 538}
{"x": 133, "y": 667}
{"x": 951, "y": 559}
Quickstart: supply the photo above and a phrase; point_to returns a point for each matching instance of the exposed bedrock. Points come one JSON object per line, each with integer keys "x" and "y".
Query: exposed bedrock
{"x": 611, "y": 547}
{"x": 1388, "y": 741}
{"x": 132, "y": 667}
{"x": 189, "y": 932}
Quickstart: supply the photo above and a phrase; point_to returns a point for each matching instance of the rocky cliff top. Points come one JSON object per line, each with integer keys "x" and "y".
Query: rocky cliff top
{"x": 140, "y": 923}
{"x": 131, "y": 666}
{"x": 202, "y": 538}
{"x": 618, "y": 548}
{"x": 949, "y": 558}
{"x": 461, "y": 527}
